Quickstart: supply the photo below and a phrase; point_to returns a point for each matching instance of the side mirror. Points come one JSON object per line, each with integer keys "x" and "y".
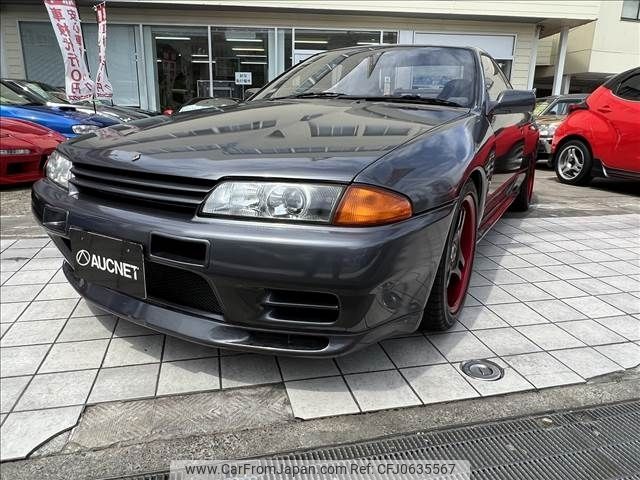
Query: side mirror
{"x": 513, "y": 101}
{"x": 250, "y": 92}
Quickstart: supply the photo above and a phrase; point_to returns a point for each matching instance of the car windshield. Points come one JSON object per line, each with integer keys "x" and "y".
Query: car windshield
{"x": 41, "y": 92}
{"x": 541, "y": 106}
{"x": 9, "y": 97}
{"x": 441, "y": 75}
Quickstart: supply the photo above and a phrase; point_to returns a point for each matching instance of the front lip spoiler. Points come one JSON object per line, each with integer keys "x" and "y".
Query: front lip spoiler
{"x": 207, "y": 331}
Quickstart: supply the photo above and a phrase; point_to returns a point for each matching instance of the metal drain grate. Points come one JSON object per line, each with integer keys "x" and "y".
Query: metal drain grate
{"x": 591, "y": 444}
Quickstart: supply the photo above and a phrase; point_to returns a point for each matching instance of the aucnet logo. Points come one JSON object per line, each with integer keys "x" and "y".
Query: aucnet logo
{"x": 116, "y": 267}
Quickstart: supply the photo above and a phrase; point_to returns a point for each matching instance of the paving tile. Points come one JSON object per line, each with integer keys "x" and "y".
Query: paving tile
{"x": 548, "y": 247}
{"x": 596, "y": 269}
{"x": 622, "y": 266}
{"x": 49, "y": 310}
{"x": 57, "y": 390}
{"x": 623, "y": 301}
{"x": 597, "y": 256}
{"x": 438, "y": 383}
{"x": 301, "y": 368}
{"x": 130, "y": 329}
{"x": 561, "y": 289}
{"x": 542, "y": 370}
{"x": 189, "y": 376}
{"x": 492, "y": 295}
{"x": 591, "y": 332}
{"x": 43, "y": 264}
{"x": 511, "y": 261}
{"x": 133, "y": 350}
{"x": 412, "y": 351}
{"x": 12, "y": 265}
{"x": 21, "y": 360}
{"x": 489, "y": 250}
{"x": 10, "y": 390}
{"x": 623, "y": 282}
{"x": 87, "y": 328}
{"x": 569, "y": 257}
{"x": 484, "y": 263}
{"x": 56, "y": 291}
{"x": 476, "y": 318}
{"x": 506, "y": 341}
{"x": 31, "y": 242}
{"x": 9, "y": 312}
{"x": 19, "y": 293}
{"x": 519, "y": 249}
{"x": 593, "y": 286}
{"x": 626, "y": 355}
{"x": 593, "y": 307}
{"x": 22, "y": 432}
{"x": 625, "y": 325}
{"x": 74, "y": 356}
{"x": 502, "y": 277}
{"x": 368, "y": 359}
{"x": 459, "y": 346}
{"x": 4, "y": 276}
{"x": 478, "y": 280}
{"x": 620, "y": 253}
{"x": 510, "y": 382}
{"x": 125, "y": 383}
{"x": 6, "y": 243}
{"x": 469, "y": 301}
{"x": 586, "y": 362}
{"x": 4, "y": 327}
{"x": 176, "y": 349}
{"x": 556, "y": 310}
{"x": 49, "y": 252}
{"x": 320, "y": 397}
{"x": 540, "y": 259}
{"x": 243, "y": 370}
{"x": 31, "y": 277}
{"x": 518, "y": 314}
{"x": 526, "y": 292}
{"x": 565, "y": 272}
{"x": 86, "y": 309}
{"x": 550, "y": 336}
{"x": 381, "y": 390}
{"x": 18, "y": 253}
{"x": 30, "y": 333}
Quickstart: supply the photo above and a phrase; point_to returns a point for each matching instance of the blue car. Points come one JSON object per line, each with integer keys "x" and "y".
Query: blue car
{"x": 68, "y": 123}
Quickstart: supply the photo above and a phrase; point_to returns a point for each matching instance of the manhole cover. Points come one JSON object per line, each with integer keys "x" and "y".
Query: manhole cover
{"x": 482, "y": 370}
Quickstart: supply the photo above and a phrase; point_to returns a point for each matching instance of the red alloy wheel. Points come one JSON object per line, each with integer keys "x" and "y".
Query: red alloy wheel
{"x": 463, "y": 246}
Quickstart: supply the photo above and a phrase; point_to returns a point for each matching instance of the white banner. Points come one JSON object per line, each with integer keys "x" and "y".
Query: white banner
{"x": 103, "y": 88}
{"x": 66, "y": 24}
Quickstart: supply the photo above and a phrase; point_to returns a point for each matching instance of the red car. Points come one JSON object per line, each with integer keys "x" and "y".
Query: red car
{"x": 601, "y": 137}
{"x": 24, "y": 147}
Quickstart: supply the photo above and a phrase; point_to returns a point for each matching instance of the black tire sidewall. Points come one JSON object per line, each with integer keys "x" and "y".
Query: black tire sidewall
{"x": 585, "y": 174}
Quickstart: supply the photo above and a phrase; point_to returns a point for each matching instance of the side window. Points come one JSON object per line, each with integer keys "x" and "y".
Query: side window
{"x": 630, "y": 88}
{"x": 494, "y": 79}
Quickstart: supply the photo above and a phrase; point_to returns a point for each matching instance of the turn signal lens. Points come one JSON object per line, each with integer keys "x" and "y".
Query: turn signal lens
{"x": 366, "y": 206}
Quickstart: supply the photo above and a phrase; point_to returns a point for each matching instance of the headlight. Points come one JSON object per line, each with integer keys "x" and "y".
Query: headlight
{"x": 58, "y": 169}
{"x": 287, "y": 201}
{"x": 354, "y": 206}
{"x": 81, "y": 129}
{"x": 549, "y": 129}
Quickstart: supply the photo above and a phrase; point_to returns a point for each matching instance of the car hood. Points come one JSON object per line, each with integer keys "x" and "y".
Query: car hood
{"x": 73, "y": 116}
{"x": 311, "y": 138}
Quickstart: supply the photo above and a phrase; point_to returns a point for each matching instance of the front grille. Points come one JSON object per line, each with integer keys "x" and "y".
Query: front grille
{"x": 167, "y": 191}
{"x": 180, "y": 288}
{"x": 300, "y": 306}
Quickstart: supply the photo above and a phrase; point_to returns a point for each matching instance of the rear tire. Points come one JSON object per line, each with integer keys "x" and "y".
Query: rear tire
{"x": 523, "y": 200}
{"x": 451, "y": 283}
{"x": 573, "y": 163}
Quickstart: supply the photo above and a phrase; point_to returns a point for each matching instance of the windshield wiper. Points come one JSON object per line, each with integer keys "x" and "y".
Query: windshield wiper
{"x": 411, "y": 99}
{"x": 312, "y": 95}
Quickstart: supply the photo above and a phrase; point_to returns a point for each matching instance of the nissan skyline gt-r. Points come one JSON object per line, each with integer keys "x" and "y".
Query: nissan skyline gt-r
{"x": 24, "y": 147}
{"x": 601, "y": 136}
{"x": 340, "y": 206}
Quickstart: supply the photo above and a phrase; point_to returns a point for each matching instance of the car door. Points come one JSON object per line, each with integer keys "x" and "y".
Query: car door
{"x": 620, "y": 108}
{"x": 508, "y": 128}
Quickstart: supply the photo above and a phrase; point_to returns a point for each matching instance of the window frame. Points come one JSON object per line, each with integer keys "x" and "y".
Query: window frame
{"x": 630, "y": 19}
{"x": 500, "y": 74}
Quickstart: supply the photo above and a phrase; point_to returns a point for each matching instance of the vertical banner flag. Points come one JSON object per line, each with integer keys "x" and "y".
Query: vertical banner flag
{"x": 66, "y": 24}
{"x": 103, "y": 88}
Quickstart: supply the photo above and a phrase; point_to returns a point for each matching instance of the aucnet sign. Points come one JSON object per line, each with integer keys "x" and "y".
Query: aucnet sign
{"x": 243, "y": 78}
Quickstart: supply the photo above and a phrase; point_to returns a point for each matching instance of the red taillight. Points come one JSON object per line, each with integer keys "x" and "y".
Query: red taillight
{"x": 578, "y": 106}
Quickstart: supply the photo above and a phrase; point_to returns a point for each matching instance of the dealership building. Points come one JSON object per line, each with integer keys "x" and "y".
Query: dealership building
{"x": 162, "y": 53}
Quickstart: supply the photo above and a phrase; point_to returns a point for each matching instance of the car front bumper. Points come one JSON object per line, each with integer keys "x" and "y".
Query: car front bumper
{"x": 544, "y": 147}
{"x": 270, "y": 280}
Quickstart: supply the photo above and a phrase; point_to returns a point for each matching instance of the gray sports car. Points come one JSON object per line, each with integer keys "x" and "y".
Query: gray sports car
{"x": 340, "y": 206}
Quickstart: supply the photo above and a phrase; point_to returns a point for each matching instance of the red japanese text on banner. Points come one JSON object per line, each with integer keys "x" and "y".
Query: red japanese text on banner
{"x": 66, "y": 24}
{"x": 103, "y": 88}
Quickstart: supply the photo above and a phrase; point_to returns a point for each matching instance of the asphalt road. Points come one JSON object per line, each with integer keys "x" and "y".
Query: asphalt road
{"x": 551, "y": 199}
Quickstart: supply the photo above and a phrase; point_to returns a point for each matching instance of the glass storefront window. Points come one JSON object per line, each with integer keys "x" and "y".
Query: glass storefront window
{"x": 182, "y": 64}
{"x": 308, "y": 42}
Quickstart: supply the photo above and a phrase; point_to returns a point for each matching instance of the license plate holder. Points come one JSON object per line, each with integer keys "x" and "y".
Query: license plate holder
{"x": 110, "y": 262}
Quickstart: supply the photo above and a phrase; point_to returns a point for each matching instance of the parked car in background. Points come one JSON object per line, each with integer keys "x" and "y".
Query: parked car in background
{"x": 24, "y": 148}
{"x": 601, "y": 136}
{"x": 339, "y": 206}
{"x": 549, "y": 113}
{"x": 69, "y": 123}
{"x": 46, "y": 95}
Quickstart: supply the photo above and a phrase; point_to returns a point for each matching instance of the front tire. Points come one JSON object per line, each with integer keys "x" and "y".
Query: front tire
{"x": 450, "y": 286}
{"x": 573, "y": 163}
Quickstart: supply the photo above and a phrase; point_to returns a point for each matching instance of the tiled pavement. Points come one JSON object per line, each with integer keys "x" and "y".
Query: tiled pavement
{"x": 553, "y": 300}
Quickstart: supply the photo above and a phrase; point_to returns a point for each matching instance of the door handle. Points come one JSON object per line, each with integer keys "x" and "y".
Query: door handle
{"x": 605, "y": 109}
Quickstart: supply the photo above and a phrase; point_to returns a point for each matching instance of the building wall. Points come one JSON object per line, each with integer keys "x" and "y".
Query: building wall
{"x": 524, "y": 32}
